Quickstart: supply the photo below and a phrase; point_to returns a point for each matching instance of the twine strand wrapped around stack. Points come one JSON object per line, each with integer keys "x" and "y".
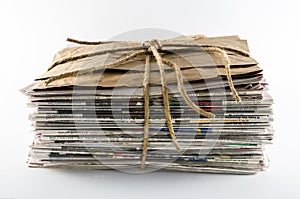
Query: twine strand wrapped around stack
{"x": 149, "y": 49}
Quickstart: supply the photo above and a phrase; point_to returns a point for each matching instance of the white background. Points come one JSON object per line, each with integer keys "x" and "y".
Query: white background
{"x": 32, "y": 31}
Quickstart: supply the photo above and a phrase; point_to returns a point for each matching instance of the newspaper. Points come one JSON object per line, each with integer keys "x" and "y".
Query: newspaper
{"x": 96, "y": 120}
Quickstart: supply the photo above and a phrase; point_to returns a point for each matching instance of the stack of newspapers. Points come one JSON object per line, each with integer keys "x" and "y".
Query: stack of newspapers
{"x": 89, "y": 111}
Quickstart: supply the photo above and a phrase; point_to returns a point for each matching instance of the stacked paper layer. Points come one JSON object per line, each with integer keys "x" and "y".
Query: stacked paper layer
{"x": 96, "y": 120}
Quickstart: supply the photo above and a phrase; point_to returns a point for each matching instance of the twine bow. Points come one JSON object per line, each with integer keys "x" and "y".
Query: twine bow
{"x": 149, "y": 49}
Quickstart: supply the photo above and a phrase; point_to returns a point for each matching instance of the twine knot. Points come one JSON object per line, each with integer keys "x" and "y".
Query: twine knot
{"x": 154, "y": 42}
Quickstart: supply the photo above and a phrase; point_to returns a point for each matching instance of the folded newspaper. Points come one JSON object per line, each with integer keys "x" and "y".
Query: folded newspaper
{"x": 190, "y": 103}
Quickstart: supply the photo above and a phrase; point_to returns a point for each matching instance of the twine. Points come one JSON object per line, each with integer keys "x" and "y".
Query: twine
{"x": 87, "y": 42}
{"x": 152, "y": 48}
{"x": 146, "y": 110}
